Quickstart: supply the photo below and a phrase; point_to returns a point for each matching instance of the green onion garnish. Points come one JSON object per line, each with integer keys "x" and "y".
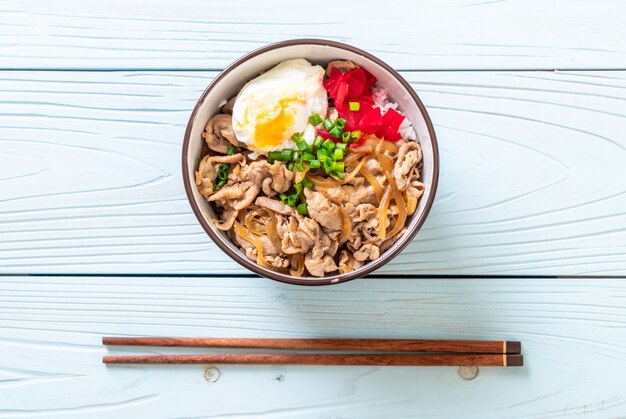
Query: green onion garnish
{"x": 338, "y": 154}
{"x": 306, "y": 156}
{"x": 328, "y": 124}
{"x": 339, "y": 175}
{"x": 315, "y": 164}
{"x": 296, "y": 137}
{"x": 300, "y": 166}
{"x": 231, "y": 150}
{"x": 315, "y": 119}
{"x": 328, "y": 145}
{"x": 340, "y": 122}
{"x": 302, "y": 209}
{"x": 307, "y": 183}
{"x": 336, "y": 132}
{"x": 321, "y": 152}
{"x": 355, "y": 135}
{"x": 302, "y": 145}
{"x": 341, "y": 146}
{"x": 286, "y": 154}
{"x": 345, "y": 137}
{"x": 290, "y": 165}
{"x": 339, "y": 166}
{"x": 274, "y": 155}
{"x": 354, "y": 106}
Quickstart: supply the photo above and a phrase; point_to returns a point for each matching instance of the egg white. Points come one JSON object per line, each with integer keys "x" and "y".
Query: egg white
{"x": 277, "y": 104}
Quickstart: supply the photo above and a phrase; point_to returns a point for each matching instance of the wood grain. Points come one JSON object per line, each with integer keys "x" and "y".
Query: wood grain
{"x": 433, "y": 34}
{"x": 532, "y": 174}
{"x": 321, "y": 344}
{"x": 380, "y": 360}
{"x": 573, "y": 330}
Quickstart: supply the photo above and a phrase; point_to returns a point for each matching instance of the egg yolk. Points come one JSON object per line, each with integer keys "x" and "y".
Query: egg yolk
{"x": 272, "y": 128}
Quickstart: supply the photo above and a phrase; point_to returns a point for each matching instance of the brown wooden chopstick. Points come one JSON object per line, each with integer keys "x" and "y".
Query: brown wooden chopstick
{"x": 389, "y": 345}
{"x": 498, "y": 360}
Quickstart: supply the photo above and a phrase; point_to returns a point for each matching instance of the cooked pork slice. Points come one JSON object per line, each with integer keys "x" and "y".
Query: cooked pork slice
{"x": 409, "y": 155}
{"x": 298, "y": 234}
{"x": 361, "y": 194}
{"x": 219, "y": 133}
{"x": 272, "y": 178}
{"x": 319, "y": 266}
{"x": 347, "y": 262}
{"x": 368, "y": 251}
{"x": 237, "y": 195}
{"x": 325, "y": 212}
{"x": 341, "y": 65}
{"x": 228, "y": 106}
{"x": 274, "y": 205}
{"x": 228, "y": 219}
{"x": 208, "y": 168}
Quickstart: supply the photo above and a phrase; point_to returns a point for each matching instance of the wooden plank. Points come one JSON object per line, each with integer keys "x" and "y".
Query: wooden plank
{"x": 532, "y": 179}
{"x": 572, "y": 331}
{"x": 433, "y": 34}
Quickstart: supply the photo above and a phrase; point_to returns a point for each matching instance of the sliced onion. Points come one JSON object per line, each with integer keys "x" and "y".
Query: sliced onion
{"x": 402, "y": 212}
{"x": 385, "y": 161}
{"x": 242, "y": 232}
{"x": 369, "y": 176}
{"x": 411, "y": 203}
{"x": 346, "y": 226}
{"x": 297, "y": 265}
{"x": 382, "y": 213}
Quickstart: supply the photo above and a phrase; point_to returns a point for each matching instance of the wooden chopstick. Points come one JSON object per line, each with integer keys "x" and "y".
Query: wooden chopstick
{"x": 496, "y": 360}
{"x": 389, "y": 345}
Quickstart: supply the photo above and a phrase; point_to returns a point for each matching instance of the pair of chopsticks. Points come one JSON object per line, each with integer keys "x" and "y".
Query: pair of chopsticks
{"x": 392, "y": 352}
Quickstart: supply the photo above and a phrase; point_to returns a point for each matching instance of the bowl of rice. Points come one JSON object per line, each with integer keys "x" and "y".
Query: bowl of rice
{"x": 310, "y": 162}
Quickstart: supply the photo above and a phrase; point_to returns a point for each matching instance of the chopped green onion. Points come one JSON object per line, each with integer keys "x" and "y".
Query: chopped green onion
{"x": 315, "y": 119}
{"x": 340, "y": 122}
{"x": 302, "y": 209}
{"x": 307, "y": 183}
{"x": 341, "y": 146}
{"x": 292, "y": 200}
{"x": 290, "y": 165}
{"x": 286, "y": 154}
{"x": 355, "y": 135}
{"x": 296, "y": 137}
{"x": 328, "y": 165}
{"x": 318, "y": 141}
{"x": 339, "y": 167}
{"x": 300, "y": 166}
{"x": 345, "y": 137}
{"x": 231, "y": 150}
{"x": 274, "y": 155}
{"x": 328, "y": 124}
{"x": 339, "y": 175}
{"x": 338, "y": 154}
{"x": 295, "y": 156}
{"x": 283, "y": 197}
{"x": 336, "y": 132}
{"x": 302, "y": 145}
{"x": 328, "y": 145}
{"x": 321, "y": 153}
{"x": 306, "y": 156}
{"x": 315, "y": 164}
{"x": 221, "y": 183}
{"x": 354, "y": 106}
{"x": 299, "y": 186}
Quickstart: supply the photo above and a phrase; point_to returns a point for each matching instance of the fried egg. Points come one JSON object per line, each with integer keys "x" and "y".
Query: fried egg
{"x": 277, "y": 104}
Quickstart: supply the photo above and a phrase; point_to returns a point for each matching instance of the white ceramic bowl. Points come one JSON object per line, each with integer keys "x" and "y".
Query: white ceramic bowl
{"x": 228, "y": 83}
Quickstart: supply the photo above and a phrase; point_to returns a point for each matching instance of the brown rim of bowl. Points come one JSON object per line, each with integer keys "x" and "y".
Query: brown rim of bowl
{"x": 219, "y": 239}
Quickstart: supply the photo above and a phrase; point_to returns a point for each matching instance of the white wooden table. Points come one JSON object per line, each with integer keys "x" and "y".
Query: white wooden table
{"x": 526, "y": 240}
